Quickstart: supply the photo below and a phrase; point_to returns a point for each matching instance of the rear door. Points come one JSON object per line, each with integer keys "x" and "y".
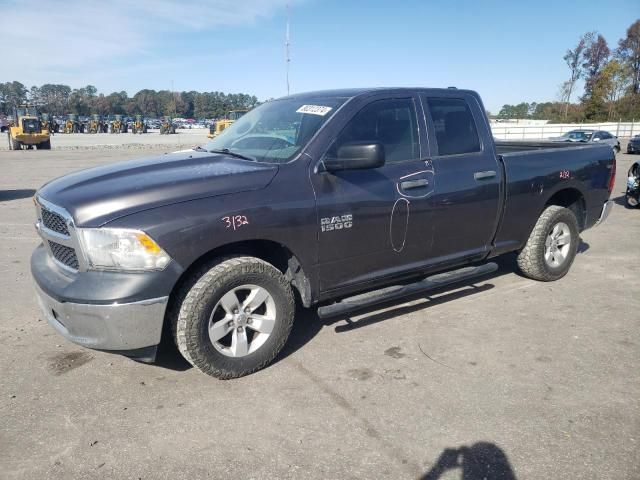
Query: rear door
{"x": 468, "y": 178}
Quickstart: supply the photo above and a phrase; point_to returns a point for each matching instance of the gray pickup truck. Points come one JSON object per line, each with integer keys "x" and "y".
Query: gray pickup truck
{"x": 336, "y": 199}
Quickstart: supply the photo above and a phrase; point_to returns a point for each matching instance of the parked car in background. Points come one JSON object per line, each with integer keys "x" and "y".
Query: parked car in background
{"x": 587, "y": 136}
{"x": 634, "y": 145}
{"x": 632, "y": 195}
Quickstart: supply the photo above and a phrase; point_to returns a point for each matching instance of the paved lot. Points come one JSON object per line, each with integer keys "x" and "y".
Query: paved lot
{"x": 105, "y": 141}
{"x": 522, "y": 379}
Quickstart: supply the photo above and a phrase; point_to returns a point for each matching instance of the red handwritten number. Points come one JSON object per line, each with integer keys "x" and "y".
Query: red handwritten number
{"x": 565, "y": 174}
{"x": 235, "y": 221}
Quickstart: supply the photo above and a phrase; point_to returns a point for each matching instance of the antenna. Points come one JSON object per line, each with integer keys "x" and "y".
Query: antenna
{"x": 286, "y": 47}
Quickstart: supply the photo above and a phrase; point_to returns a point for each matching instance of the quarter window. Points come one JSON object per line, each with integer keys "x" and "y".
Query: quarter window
{"x": 455, "y": 128}
{"x": 391, "y": 123}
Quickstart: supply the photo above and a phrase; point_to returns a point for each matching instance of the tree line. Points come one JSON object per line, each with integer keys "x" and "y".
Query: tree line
{"x": 58, "y": 99}
{"x": 611, "y": 83}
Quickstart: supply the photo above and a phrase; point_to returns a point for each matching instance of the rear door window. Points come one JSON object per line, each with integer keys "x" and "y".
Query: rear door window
{"x": 455, "y": 128}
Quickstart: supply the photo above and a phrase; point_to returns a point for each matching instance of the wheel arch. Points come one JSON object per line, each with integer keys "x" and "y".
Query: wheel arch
{"x": 277, "y": 254}
{"x": 574, "y": 200}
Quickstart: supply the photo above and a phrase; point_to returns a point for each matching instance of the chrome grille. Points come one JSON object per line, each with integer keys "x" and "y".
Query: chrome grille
{"x": 59, "y": 235}
{"x": 65, "y": 255}
{"x": 55, "y": 222}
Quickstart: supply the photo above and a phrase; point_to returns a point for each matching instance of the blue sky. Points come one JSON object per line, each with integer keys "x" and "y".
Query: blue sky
{"x": 509, "y": 51}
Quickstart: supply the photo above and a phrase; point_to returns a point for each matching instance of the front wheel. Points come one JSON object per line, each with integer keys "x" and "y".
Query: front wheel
{"x": 234, "y": 318}
{"x": 552, "y": 245}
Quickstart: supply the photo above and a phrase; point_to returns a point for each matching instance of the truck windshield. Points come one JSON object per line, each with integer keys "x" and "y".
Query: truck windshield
{"x": 276, "y": 131}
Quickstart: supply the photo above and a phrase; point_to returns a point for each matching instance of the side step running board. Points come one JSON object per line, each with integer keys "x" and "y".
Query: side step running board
{"x": 389, "y": 294}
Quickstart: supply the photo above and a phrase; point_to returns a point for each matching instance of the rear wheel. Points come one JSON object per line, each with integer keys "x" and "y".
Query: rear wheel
{"x": 234, "y": 318}
{"x": 552, "y": 245}
{"x": 46, "y": 145}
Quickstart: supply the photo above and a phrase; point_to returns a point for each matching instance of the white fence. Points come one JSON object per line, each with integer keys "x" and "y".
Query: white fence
{"x": 514, "y": 131}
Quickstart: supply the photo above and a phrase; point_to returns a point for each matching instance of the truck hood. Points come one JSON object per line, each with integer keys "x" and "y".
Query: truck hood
{"x": 99, "y": 195}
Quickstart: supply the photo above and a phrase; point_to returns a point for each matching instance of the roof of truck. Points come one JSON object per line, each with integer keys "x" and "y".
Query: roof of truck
{"x": 354, "y": 92}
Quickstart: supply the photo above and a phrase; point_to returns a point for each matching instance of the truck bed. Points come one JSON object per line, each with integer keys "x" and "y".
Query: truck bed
{"x": 535, "y": 170}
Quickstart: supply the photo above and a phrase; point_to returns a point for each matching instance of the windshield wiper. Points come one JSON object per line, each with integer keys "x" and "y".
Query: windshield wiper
{"x": 226, "y": 151}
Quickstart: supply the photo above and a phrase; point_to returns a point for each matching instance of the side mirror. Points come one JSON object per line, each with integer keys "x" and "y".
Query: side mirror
{"x": 355, "y": 156}
{"x": 597, "y": 139}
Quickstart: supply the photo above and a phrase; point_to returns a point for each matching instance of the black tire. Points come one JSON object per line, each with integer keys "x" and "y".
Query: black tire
{"x": 196, "y": 302}
{"x": 46, "y": 145}
{"x": 15, "y": 145}
{"x": 531, "y": 260}
{"x": 628, "y": 204}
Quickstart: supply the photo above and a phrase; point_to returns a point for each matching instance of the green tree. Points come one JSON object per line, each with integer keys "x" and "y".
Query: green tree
{"x": 629, "y": 54}
{"x": 573, "y": 59}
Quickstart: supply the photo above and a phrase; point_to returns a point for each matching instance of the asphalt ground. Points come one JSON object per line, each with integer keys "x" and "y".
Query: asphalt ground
{"x": 152, "y": 140}
{"x": 503, "y": 378}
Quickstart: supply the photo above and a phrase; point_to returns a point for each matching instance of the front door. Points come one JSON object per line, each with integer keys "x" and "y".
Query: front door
{"x": 374, "y": 223}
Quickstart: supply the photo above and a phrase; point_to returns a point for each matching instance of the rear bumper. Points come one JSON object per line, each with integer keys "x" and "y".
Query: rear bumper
{"x": 120, "y": 327}
{"x": 606, "y": 210}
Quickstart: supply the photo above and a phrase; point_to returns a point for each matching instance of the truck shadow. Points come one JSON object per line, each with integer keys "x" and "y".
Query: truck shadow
{"x": 308, "y": 324}
{"x": 6, "y": 195}
{"x": 168, "y": 355}
{"x": 480, "y": 461}
{"x": 621, "y": 200}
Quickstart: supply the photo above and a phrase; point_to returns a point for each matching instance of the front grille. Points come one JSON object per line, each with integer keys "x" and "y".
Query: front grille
{"x": 65, "y": 255}
{"x": 54, "y": 221}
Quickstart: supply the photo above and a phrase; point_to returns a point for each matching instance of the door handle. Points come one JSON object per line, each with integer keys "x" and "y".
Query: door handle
{"x": 483, "y": 175}
{"x": 423, "y": 182}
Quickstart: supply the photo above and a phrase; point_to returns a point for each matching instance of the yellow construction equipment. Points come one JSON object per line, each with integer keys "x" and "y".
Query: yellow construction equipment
{"x": 118, "y": 125}
{"x": 167, "y": 127}
{"x": 95, "y": 124}
{"x": 223, "y": 123}
{"x": 26, "y": 130}
{"x": 71, "y": 124}
{"x": 46, "y": 123}
{"x": 139, "y": 126}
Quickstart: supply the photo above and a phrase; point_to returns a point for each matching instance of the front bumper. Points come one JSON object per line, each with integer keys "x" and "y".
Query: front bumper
{"x": 606, "y": 210}
{"x": 118, "y": 326}
{"x": 633, "y": 148}
{"x": 32, "y": 138}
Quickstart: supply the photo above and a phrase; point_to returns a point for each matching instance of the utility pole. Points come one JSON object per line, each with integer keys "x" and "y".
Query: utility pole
{"x": 286, "y": 47}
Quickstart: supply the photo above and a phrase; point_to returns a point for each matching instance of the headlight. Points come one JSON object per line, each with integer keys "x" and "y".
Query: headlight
{"x": 122, "y": 249}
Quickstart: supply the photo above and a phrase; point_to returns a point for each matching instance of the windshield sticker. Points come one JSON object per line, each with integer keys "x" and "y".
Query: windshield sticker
{"x": 314, "y": 109}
